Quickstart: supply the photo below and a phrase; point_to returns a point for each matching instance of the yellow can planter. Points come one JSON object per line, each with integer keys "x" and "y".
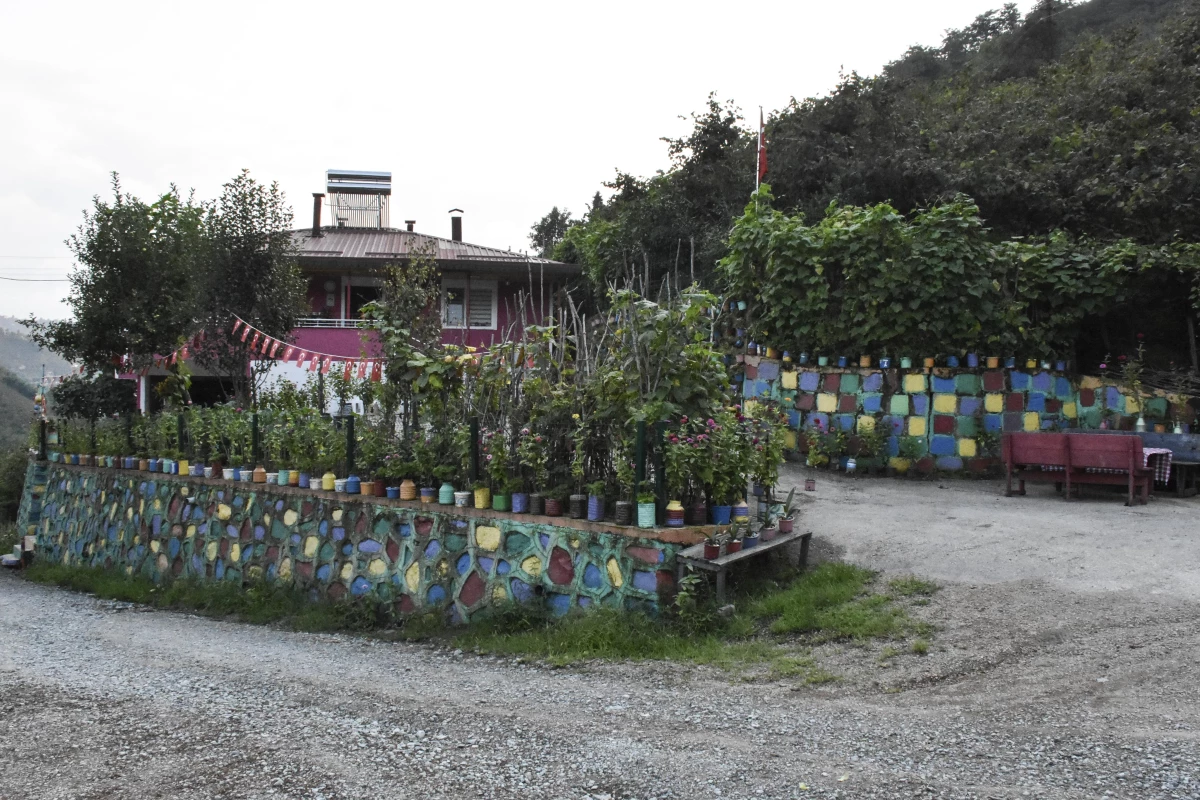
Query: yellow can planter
{"x": 483, "y": 498}
{"x": 328, "y": 481}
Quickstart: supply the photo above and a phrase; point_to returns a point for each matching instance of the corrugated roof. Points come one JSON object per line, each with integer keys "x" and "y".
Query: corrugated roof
{"x": 390, "y": 243}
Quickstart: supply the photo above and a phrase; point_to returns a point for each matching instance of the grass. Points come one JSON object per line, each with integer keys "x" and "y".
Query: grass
{"x": 784, "y": 616}
{"x": 8, "y": 537}
{"x": 912, "y": 586}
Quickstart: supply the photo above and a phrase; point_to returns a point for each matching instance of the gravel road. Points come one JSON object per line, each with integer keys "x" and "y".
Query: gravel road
{"x": 1038, "y": 685}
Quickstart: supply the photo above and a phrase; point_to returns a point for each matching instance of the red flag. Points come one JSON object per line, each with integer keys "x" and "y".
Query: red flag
{"x": 348, "y": 370}
{"x": 762, "y": 147}
{"x": 183, "y": 352}
{"x": 236, "y": 325}
{"x": 275, "y": 348}
{"x": 313, "y": 365}
{"x": 266, "y": 344}
{"x": 377, "y": 371}
{"x": 362, "y": 368}
{"x": 287, "y": 354}
{"x": 325, "y": 365}
{"x": 301, "y": 357}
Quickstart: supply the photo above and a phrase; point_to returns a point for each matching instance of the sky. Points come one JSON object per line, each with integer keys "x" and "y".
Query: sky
{"x": 501, "y": 109}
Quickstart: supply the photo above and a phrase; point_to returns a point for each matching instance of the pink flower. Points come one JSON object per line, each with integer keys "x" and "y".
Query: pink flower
{"x": 524, "y": 431}
{"x": 711, "y": 423}
{"x": 537, "y": 439}
{"x": 489, "y": 458}
{"x": 1120, "y": 358}
{"x": 1141, "y": 336}
{"x": 683, "y": 420}
{"x": 1104, "y": 366}
{"x": 693, "y": 441}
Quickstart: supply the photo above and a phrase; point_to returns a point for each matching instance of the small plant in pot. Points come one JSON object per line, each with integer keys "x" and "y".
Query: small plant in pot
{"x": 531, "y": 455}
{"x": 554, "y": 501}
{"x": 786, "y": 522}
{"x": 595, "y": 501}
{"x": 647, "y": 510}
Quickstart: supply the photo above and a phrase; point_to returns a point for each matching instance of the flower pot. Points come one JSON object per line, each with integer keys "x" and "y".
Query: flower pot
{"x": 1160, "y": 428}
{"x": 842, "y": 360}
{"x": 537, "y": 503}
{"x": 803, "y": 358}
{"x": 929, "y": 363}
{"x": 293, "y": 477}
{"x": 1060, "y": 366}
{"x": 520, "y": 502}
{"x": 272, "y": 478}
{"x": 339, "y": 485}
{"x": 500, "y": 502}
{"x": 208, "y": 472}
{"x": 393, "y": 493}
{"x": 553, "y": 507}
{"x": 328, "y": 481}
{"x": 787, "y": 357}
{"x": 302, "y": 480}
{"x": 951, "y": 361}
{"x": 283, "y": 477}
{"x": 885, "y": 363}
{"x": 675, "y": 514}
{"x": 184, "y": 468}
{"x": 248, "y": 475}
{"x": 905, "y": 363}
{"x": 771, "y": 352}
{"x": 768, "y": 533}
{"x": 461, "y": 499}
{"x": 367, "y": 488}
{"x": 864, "y": 362}
{"x": 259, "y": 475}
{"x": 733, "y": 546}
{"x": 822, "y": 361}
{"x": 353, "y": 484}
{"x": 227, "y": 473}
{"x": 741, "y": 510}
{"x": 1045, "y": 365}
{"x": 972, "y": 360}
{"x": 446, "y": 494}
{"x": 407, "y": 489}
{"x": 428, "y": 494}
{"x": 595, "y": 508}
{"x": 993, "y": 362}
{"x": 577, "y": 506}
{"x": 758, "y": 489}
{"x": 144, "y": 464}
{"x": 721, "y": 514}
{"x": 1031, "y": 363}
{"x": 712, "y": 550}
{"x": 810, "y": 484}
{"x": 785, "y": 524}
{"x": 697, "y": 513}
{"x": 483, "y": 497}
{"x": 749, "y": 540}
{"x": 623, "y": 512}
{"x": 1010, "y": 362}
{"x": 647, "y": 514}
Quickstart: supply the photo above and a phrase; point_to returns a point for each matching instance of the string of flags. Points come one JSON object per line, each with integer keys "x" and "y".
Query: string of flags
{"x": 268, "y": 346}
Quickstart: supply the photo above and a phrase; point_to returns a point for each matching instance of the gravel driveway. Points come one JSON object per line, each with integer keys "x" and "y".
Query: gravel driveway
{"x": 1048, "y": 683}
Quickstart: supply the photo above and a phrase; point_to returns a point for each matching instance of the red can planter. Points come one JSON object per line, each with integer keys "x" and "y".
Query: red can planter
{"x": 712, "y": 550}
{"x": 734, "y": 546}
{"x": 810, "y": 484}
{"x": 553, "y": 507}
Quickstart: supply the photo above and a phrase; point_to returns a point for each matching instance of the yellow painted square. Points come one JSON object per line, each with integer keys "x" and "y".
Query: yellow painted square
{"x": 1070, "y": 411}
{"x": 914, "y": 384}
{"x": 1132, "y": 406}
{"x": 967, "y": 448}
{"x": 994, "y": 403}
{"x": 787, "y": 380}
{"x": 1090, "y": 382}
{"x": 826, "y": 403}
{"x": 866, "y": 424}
{"x": 789, "y": 439}
{"x": 916, "y": 426}
{"x": 1033, "y": 422}
{"x": 945, "y": 403}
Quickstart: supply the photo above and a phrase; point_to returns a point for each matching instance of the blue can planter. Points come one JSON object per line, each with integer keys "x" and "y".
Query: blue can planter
{"x": 885, "y": 363}
{"x": 302, "y": 481}
{"x": 972, "y": 360}
{"x": 152, "y": 465}
{"x": 353, "y": 485}
{"x": 595, "y": 508}
{"x": 952, "y": 361}
{"x": 749, "y": 541}
{"x": 431, "y": 493}
{"x": 393, "y": 492}
{"x": 841, "y": 362}
{"x": 803, "y": 358}
{"x": 1010, "y": 362}
{"x": 1060, "y": 366}
{"x": 520, "y": 502}
{"x": 720, "y": 514}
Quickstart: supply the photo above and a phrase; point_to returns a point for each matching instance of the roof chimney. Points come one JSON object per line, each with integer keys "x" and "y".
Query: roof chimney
{"x": 317, "y": 198}
{"x": 411, "y": 224}
{"x": 456, "y": 224}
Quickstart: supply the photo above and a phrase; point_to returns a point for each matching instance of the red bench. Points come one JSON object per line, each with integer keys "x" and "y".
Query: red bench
{"x": 1076, "y": 459}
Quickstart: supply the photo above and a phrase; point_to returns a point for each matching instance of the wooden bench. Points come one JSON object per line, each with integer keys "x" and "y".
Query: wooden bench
{"x": 1077, "y": 459}
{"x": 694, "y": 557}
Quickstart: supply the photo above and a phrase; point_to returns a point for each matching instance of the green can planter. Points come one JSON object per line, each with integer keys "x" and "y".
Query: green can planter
{"x": 646, "y": 515}
{"x": 500, "y": 502}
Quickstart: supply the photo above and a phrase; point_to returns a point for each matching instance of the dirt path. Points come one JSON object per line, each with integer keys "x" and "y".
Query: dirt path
{"x": 1044, "y": 681}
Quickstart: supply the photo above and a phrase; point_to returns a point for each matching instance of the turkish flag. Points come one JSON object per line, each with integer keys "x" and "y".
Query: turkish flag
{"x": 287, "y": 354}
{"x": 254, "y": 341}
{"x": 377, "y": 371}
{"x": 236, "y": 325}
{"x": 275, "y": 347}
{"x": 362, "y": 368}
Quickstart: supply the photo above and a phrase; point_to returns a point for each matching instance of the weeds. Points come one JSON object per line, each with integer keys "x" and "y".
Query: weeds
{"x": 920, "y": 647}
{"x": 911, "y": 585}
{"x": 9, "y": 537}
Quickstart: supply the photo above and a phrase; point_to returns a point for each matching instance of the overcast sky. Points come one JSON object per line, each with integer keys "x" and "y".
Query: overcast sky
{"x": 502, "y": 109}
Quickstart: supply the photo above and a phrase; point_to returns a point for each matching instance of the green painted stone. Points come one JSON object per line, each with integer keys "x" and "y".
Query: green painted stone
{"x": 326, "y": 552}
{"x": 898, "y": 406}
{"x": 382, "y": 527}
{"x": 966, "y": 383}
{"x": 455, "y": 542}
{"x": 850, "y": 384}
{"x": 967, "y": 427}
{"x": 516, "y": 542}
{"x": 279, "y": 530}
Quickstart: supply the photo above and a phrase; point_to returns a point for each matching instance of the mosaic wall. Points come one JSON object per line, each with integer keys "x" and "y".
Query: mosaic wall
{"x": 944, "y": 410}
{"x": 417, "y": 557}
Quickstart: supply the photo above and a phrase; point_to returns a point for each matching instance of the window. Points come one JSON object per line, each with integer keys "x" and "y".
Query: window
{"x": 468, "y": 303}
{"x": 360, "y": 296}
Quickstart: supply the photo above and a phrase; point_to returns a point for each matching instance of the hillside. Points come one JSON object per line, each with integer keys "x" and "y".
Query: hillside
{"x": 16, "y": 410}
{"x": 20, "y": 356}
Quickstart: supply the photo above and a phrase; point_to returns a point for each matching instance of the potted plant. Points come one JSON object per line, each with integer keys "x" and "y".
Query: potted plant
{"x": 595, "y": 501}
{"x": 554, "y": 501}
{"x": 444, "y": 494}
{"x": 531, "y": 455}
{"x": 787, "y": 519}
{"x": 647, "y": 510}
{"x": 750, "y": 538}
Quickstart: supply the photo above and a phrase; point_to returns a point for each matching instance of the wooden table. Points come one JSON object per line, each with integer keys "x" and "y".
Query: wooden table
{"x": 1183, "y": 473}
{"x": 694, "y": 557}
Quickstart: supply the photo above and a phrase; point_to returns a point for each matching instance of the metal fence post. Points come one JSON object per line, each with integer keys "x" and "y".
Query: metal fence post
{"x": 639, "y": 458}
{"x": 660, "y": 484}
{"x": 473, "y": 463}
{"x": 180, "y": 427}
{"x": 254, "y": 443}
{"x": 350, "y": 445}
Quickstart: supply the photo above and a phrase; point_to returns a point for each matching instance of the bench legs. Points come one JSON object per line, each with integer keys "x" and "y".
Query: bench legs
{"x": 721, "y": 586}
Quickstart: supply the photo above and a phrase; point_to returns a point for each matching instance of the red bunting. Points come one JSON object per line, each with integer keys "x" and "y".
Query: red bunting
{"x": 362, "y": 369}
{"x": 245, "y": 332}
{"x": 254, "y": 341}
{"x": 377, "y": 372}
{"x": 236, "y": 325}
{"x": 275, "y": 348}
{"x": 287, "y": 354}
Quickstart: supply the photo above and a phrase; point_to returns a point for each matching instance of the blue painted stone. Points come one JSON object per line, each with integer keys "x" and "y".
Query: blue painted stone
{"x": 173, "y": 548}
{"x": 817, "y": 420}
{"x": 463, "y": 564}
{"x": 156, "y": 524}
{"x": 768, "y": 370}
{"x": 1112, "y": 398}
{"x": 219, "y": 572}
{"x": 1062, "y": 388}
{"x": 360, "y": 586}
{"x": 896, "y": 424}
{"x": 272, "y": 571}
{"x": 645, "y": 581}
{"x": 485, "y": 564}
{"x": 197, "y": 513}
{"x": 279, "y": 505}
{"x": 810, "y": 381}
{"x": 845, "y": 421}
{"x": 231, "y": 531}
{"x": 544, "y": 539}
{"x": 893, "y": 446}
{"x": 238, "y": 502}
{"x": 969, "y": 406}
{"x": 295, "y": 538}
{"x": 592, "y": 578}
{"x": 1020, "y": 381}
{"x": 942, "y": 445}
{"x": 403, "y": 529}
{"x": 197, "y": 563}
{"x": 943, "y": 385}
{"x": 502, "y": 568}
{"x": 793, "y": 418}
{"x": 1013, "y": 422}
{"x": 584, "y": 601}
{"x": 872, "y": 403}
{"x": 749, "y": 388}
{"x": 458, "y": 523}
{"x": 436, "y": 594}
{"x": 433, "y": 548}
{"x": 520, "y": 590}
{"x": 220, "y": 494}
{"x": 559, "y": 603}
{"x": 112, "y": 533}
{"x": 369, "y": 546}
{"x": 323, "y": 528}
{"x": 993, "y": 423}
{"x": 455, "y": 617}
{"x": 1036, "y": 402}
{"x": 920, "y": 404}
{"x": 339, "y": 534}
{"x": 1048, "y": 424}
{"x": 201, "y": 529}
{"x": 949, "y": 463}
{"x": 259, "y": 531}
{"x": 873, "y": 382}
{"x": 1043, "y": 381}
{"x": 324, "y": 571}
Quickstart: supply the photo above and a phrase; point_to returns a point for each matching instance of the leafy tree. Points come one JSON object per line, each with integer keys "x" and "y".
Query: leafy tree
{"x": 92, "y": 397}
{"x": 548, "y": 231}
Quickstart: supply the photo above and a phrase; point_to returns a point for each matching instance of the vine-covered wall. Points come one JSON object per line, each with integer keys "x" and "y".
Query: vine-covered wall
{"x": 945, "y": 410}
{"x": 415, "y": 557}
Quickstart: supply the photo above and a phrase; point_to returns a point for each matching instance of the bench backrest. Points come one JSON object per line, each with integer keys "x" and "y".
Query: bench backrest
{"x": 1106, "y": 452}
{"x": 1049, "y": 449}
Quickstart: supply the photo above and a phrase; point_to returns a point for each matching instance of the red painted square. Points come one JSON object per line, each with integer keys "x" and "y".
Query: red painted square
{"x": 1087, "y": 397}
{"x": 805, "y": 402}
{"x": 993, "y": 381}
{"x": 1014, "y": 402}
{"x": 943, "y": 423}
{"x": 751, "y": 371}
{"x": 847, "y": 403}
{"x": 1053, "y": 406}
{"x": 832, "y": 382}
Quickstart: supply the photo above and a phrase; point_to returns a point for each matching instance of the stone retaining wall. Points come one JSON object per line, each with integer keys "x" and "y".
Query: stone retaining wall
{"x": 414, "y": 556}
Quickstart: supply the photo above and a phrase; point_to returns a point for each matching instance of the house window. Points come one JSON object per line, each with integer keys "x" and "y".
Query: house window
{"x": 468, "y": 303}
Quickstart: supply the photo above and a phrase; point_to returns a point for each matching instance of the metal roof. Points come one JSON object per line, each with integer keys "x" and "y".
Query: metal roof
{"x": 368, "y": 244}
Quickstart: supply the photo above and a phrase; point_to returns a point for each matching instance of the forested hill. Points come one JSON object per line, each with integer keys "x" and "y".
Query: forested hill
{"x": 1084, "y": 118}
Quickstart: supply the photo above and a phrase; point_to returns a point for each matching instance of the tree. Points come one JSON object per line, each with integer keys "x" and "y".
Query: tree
{"x": 91, "y": 397}
{"x": 547, "y": 232}
{"x": 250, "y": 271}
{"x": 132, "y": 288}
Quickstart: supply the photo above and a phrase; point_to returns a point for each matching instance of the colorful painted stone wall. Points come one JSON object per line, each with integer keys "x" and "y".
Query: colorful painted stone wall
{"x": 945, "y": 410}
{"x": 416, "y": 557}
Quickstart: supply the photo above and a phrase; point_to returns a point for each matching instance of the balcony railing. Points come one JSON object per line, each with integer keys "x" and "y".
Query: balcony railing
{"x": 327, "y": 322}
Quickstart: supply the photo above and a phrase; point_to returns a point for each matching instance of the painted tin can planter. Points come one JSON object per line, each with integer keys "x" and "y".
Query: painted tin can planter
{"x": 595, "y": 508}
{"x": 184, "y": 467}
{"x": 353, "y": 484}
{"x": 393, "y": 492}
{"x": 646, "y": 515}
{"x": 228, "y": 473}
{"x": 721, "y": 514}
{"x": 553, "y": 507}
{"x": 380, "y": 487}
{"x": 822, "y": 361}
{"x": 741, "y": 511}
{"x": 520, "y": 502}
{"x": 674, "y": 514}
{"x": 770, "y": 352}
{"x": 972, "y": 360}
{"x": 993, "y": 362}
{"x": 339, "y": 485}
{"x": 328, "y": 481}
{"x": 905, "y": 362}
{"x": 429, "y": 494}
{"x": 367, "y": 488}
{"x": 697, "y": 513}
{"x": 803, "y": 358}
{"x": 483, "y": 497}
{"x": 885, "y": 363}
{"x": 208, "y": 472}
{"x": 952, "y": 361}
{"x": 500, "y": 502}
{"x": 810, "y": 484}
{"x": 864, "y": 362}
{"x": 259, "y": 474}
{"x": 577, "y": 508}
{"x": 929, "y": 362}
{"x": 537, "y": 503}
{"x": 302, "y": 480}
{"x": 294, "y": 477}
{"x": 408, "y": 489}
{"x": 446, "y": 494}
{"x": 1010, "y": 362}
{"x": 461, "y": 499}
{"x": 144, "y": 464}
{"x": 1060, "y": 366}
{"x": 841, "y": 362}
{"x": 283, "y": 476}
{"x": 624, "y": 512}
